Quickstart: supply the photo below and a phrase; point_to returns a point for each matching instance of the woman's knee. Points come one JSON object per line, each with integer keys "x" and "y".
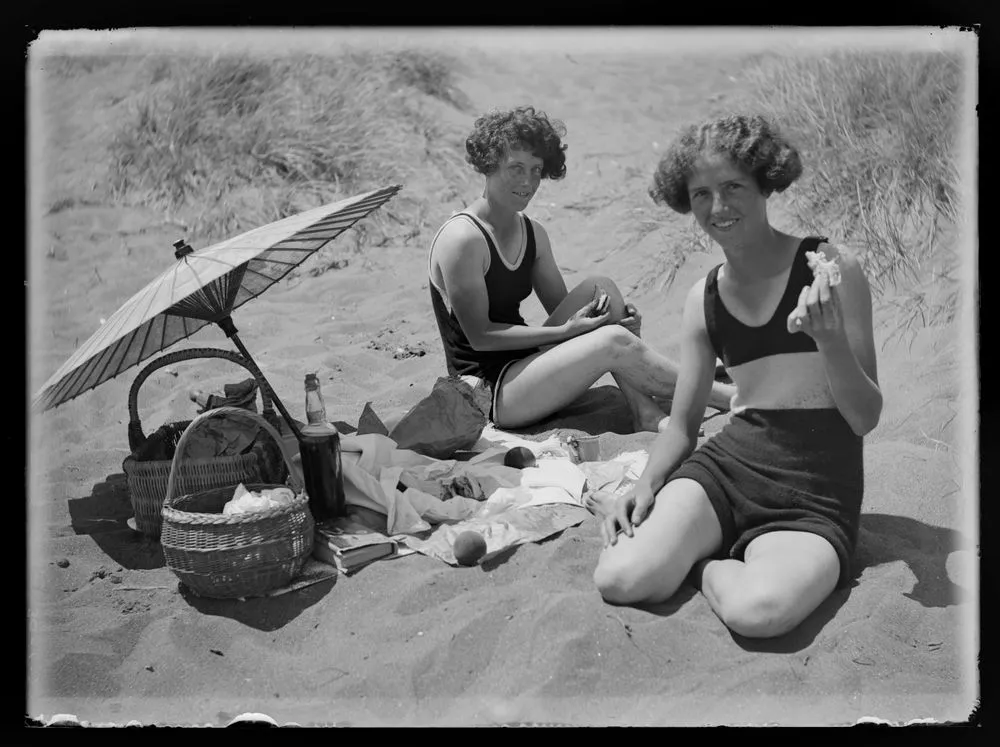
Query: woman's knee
{"x": 617, "y": 584}
{"x": 616, "y": 341}
{"x": 761, "y": 611}
{"x": 622, "y": 582}
{"x": 616, "y": 301}
{"x": 787, "y": 575}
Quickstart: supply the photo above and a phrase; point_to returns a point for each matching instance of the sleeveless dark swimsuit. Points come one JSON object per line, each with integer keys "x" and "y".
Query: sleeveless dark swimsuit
{"x": 506, "y": 289}
{"x": 778, "y": 469}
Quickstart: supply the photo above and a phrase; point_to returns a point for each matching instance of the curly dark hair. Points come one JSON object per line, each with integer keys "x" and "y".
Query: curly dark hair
{"x": 751, "y": 141}
{"x": 499, "y": 130}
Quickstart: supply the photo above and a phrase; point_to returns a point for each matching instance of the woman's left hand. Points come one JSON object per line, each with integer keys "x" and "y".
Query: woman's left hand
{"x": 819, "y": 313}
{"x": 632, "y": 321}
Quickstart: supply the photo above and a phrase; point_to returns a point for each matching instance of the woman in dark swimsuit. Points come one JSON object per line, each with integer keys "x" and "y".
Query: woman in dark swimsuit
{"x": 486, "y": 259}
{"x": 766, "y": 511}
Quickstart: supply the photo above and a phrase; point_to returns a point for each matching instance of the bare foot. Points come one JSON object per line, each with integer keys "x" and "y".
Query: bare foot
{"x": 647, "y": 415}
{"x": 659, "y": 425}
{"x": 654, "y": 422}
{"x": 721, "y": 396}
{"x": 600, "y": 503}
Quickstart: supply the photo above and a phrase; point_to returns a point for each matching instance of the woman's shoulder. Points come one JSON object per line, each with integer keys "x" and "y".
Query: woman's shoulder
{"x": 538, "y": 233}
{"x": 696, "y": 293}
{"x": 460, "y": 239}
{"x": 459, "y": 227}
{"x": 536, "y": 225}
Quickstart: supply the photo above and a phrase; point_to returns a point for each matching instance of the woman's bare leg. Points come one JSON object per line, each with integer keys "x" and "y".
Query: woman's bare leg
{"x": 647, "y": 415}
{"x": 639, "y": 402}
{"x": 537, "y": 386}
{"x": 681, "y": 529}
{"x": 782, "y": 579}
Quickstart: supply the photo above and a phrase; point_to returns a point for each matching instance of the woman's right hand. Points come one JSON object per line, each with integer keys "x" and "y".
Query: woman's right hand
{"x": 632, "y": 321}
{"x": 630, "y": 511}
{"x": 595, "y": 314}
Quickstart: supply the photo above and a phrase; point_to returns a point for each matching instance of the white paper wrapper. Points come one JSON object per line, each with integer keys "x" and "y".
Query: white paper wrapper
{"x": 244, "y": 501}
{"x": 549, "y": 499}
{"x": 820, "y": 265}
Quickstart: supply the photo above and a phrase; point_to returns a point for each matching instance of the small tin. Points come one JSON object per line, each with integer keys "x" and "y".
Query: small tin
{"x": 585, "y": 448}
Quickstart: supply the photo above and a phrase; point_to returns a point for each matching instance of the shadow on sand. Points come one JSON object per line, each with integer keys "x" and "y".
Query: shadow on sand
{"x": 682, "y": 596}
{"x": 603, "y": 410}
{"x": 796, "y": 640}
{"x": 882, "y": 538}
{"x": 103, "y": 514}
{"x": 603, "y": 407}
{"x": 804, "y": 634}
{"x": 262, "y": 613}
{"x": 885, "y": 538}
{"x": 492, "y": 562}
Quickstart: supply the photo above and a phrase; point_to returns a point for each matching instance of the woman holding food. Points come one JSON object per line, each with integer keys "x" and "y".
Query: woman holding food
{"x": 764, "y": 515}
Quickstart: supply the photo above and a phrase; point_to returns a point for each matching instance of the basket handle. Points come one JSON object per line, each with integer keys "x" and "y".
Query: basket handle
{"x": 135, "y": 435}
{"x": 296, "y": 482}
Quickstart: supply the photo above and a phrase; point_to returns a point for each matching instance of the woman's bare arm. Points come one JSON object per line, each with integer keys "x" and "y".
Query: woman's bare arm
{"x": 546, "y": 278}
{"x": 839, "y": 319}
{"x": 460, "y": 256}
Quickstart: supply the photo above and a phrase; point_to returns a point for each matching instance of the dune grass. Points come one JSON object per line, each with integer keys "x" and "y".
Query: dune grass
{"x": 70, "y": 66}
{"x": 232, "y": 142}
{"x": 878, "y": 132}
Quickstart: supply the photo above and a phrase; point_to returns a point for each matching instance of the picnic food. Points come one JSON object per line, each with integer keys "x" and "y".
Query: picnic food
{"x": 820, "y": 265}
{"x": 244, "y": 500}
{"x": 469, "y": 547}
{"x": 519, "y": 457}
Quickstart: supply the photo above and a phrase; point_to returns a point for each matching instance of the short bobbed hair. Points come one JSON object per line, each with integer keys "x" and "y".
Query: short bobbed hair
{"x": 750, "y": 141}
{"x": 500, "y": 131}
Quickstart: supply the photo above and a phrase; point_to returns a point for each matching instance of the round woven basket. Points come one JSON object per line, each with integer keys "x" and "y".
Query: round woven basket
{"x": 147, "y": 480}
{"x": 240, "y": 555}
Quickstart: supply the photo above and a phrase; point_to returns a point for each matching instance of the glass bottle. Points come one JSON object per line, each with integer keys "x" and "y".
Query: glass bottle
{"x": 319, "y": 447}
{"x": 315, "y": 406}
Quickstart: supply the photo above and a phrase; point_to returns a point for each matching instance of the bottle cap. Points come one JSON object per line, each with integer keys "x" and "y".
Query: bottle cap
{"x": 312, "y": 379}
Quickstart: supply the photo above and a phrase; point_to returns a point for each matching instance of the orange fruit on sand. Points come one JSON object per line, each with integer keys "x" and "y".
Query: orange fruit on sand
{"x": 519, "y": 457}
{"x": 469, "y": 547}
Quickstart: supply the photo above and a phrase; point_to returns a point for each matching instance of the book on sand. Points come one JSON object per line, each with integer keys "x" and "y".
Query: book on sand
{"x": 348, "y": 544}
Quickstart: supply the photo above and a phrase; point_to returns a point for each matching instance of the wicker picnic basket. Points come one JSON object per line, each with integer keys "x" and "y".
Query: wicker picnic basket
{"x": 147, "y": 480}
{"x": 240, "y": 555}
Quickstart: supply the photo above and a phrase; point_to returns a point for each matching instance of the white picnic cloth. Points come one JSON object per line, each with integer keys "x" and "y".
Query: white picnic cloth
{"x": 374, "y": 468}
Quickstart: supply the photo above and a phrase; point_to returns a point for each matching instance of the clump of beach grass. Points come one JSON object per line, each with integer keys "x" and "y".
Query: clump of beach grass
{"x": 879, "y": 135}
{"x": 230, "y": 142}
{"x": 70, "y": 66}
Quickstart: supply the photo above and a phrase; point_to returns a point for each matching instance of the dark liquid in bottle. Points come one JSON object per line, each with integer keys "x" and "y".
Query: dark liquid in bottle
{"x": 322, "y": 471}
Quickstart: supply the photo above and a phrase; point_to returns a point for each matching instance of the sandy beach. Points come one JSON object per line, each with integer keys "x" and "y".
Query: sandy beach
{"x": 524, "y": 637}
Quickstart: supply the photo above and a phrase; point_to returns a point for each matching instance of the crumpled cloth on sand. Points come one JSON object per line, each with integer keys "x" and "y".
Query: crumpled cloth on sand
{"x": 444, "y": 497}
